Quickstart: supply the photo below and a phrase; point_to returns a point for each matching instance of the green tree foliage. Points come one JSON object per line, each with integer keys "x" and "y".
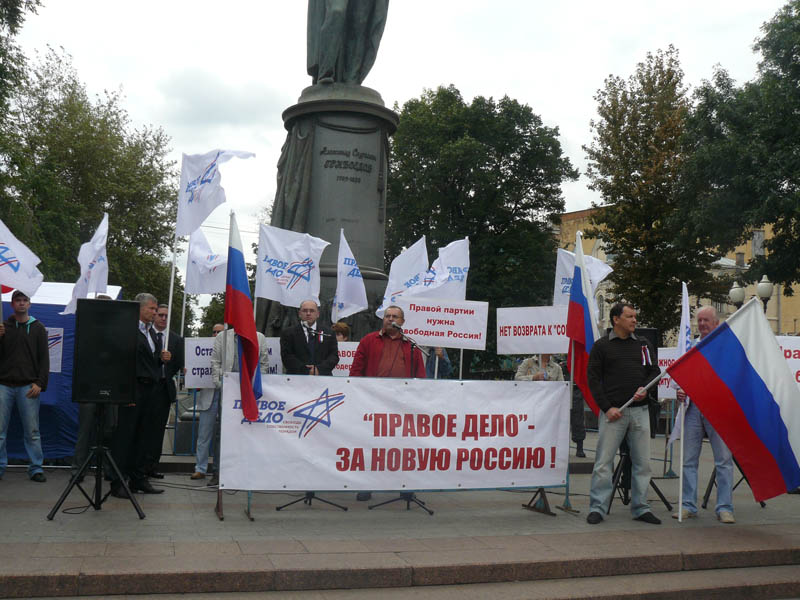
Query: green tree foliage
{"x": 635, "y": 162}
{"x": 489, "y": 170}
{"x": 746, "y": 158}
{"x": 65, "y": 159}
{"x": 12, "y": 61}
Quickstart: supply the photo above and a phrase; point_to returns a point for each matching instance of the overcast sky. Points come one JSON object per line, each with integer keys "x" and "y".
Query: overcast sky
{"x": 219, "y": 74}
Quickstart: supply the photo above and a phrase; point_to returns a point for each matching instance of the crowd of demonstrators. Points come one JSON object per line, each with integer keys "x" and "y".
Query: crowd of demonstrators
{"x": 208, "y": 408}
{"x": 24, "y": 370}
{"x": 620, "y": 365}
{"x": 308, "y": 348}
{"x": 695, "y": 425}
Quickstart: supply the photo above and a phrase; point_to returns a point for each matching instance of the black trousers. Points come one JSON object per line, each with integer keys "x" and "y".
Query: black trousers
{"x": 129, "y": 447}
{"x": 156, "y": 425}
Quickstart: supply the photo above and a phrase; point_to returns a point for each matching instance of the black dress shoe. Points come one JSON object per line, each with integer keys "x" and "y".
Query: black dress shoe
{"x": 144, "y": 486}
{"x": 118, "y": 491}
{"x": 155, "y": 475}
{"x": 648, "y": 517}
{"x": 594, "y": 518}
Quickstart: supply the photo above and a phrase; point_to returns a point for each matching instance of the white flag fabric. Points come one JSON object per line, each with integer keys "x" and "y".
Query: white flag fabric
{"x": 18, "y": 264}
{"x": 565, "y": 266}
{"x": 407, "y": 271}
{"x": 205, "y": 270}
{"x": 684, "y": 344}
{"x": 93, "y": 261}
{"x": 201, "y": 191}
{"x": 351, "y": 295}
{"x": 288, "y": 265}
{"x": 447, "y": 277}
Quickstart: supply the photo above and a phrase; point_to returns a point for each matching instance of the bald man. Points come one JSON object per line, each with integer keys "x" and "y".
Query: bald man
{"x": 694, "y": 426}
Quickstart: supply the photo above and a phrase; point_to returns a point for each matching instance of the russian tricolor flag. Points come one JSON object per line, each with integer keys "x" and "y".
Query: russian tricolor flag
{"x": 581, "y": 326}
{"x": 239, "y": 315}
{"x": 740, "y": 381}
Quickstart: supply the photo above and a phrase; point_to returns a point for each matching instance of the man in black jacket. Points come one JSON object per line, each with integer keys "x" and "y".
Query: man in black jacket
{"x": 307, "y": 348}
{"x": 620, "y": 365}
{"x": 165, "y": 391}
{"x": 129, "y": 446}
{"x": 24, "y": 370}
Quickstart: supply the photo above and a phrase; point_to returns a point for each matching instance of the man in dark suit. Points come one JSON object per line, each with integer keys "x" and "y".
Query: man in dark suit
{"x": 165, "y": 390}
{"x": 307, "y": 348}
{"x": 130, "y": 441}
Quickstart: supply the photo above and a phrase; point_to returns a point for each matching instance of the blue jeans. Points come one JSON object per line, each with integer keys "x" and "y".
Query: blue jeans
{"x": 29, "y": 415}
{"x": 205, "y": 432}
{"x": 635, "y": 424}
{"x": 694, "y": 424}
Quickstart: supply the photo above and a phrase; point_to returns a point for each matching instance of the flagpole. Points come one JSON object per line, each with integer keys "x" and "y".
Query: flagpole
{"x": 183, "y": 312}
{"x": 680, "y": 470}
{"x": 171, "y": 288}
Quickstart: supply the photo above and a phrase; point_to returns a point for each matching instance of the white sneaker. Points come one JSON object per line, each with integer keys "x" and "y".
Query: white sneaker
{"x": 686, "y": 514}
{"x": 726, "y": 516}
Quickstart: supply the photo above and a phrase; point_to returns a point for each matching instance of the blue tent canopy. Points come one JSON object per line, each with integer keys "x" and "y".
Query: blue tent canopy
{"x": 58, "y": 415}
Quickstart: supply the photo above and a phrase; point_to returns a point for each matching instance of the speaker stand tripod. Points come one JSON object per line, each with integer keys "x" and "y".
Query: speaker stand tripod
{"x": 307, "y": 499}
{"x": 99, "y": 454}
{"x": 624, "y": 468}
{"x": 408, "y": 498}
{"x": 713, "y": 480}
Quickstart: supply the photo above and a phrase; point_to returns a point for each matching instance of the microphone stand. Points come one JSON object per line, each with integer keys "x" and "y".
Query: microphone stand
{"x": 407, "y": 497}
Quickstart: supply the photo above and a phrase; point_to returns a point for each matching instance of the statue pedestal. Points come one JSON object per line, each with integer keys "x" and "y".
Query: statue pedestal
{"x": 332, "y": 175}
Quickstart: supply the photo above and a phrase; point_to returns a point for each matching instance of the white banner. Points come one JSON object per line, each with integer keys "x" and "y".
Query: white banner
{"x": 447, "y": 277}
{"x": 347, "y": 352}
{"x": 93, "y": 261}
{"x": 274, "y": 352}
{"x": 288, "y": 265}
{"x": 666, "y": 356}
{"x": 406, "y": 271}
{"x": 18, "y": 264}
{"x": 351, "y": 295}
{"x": 445, "y": 323}
{"x": 197, "y": 360}
{"x": 205, "y": 271}
{"x": 55, "y": 344}
{"x": 790, "y": 346}
{"x": 325, "y": 433}
{"x": 532, "y": 330}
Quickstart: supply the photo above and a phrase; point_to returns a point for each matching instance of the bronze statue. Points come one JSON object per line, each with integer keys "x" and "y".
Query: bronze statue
{"x": 343, "y": 38}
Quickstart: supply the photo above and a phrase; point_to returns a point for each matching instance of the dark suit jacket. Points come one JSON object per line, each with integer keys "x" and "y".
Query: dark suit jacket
{"x": 295, "y": 353}
{"x": 174, "y": 366}
{"x": 147, "y": 364}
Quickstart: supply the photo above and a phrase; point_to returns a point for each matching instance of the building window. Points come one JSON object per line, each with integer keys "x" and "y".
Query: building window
{"x": 758, "y": 242}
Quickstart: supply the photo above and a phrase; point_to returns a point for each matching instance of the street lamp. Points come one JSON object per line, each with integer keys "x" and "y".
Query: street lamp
{"x": 736, "y": 295}
{"x": 764, "y": 290}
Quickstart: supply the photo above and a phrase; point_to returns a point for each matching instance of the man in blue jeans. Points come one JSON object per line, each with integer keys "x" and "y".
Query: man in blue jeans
{"x": 207, "y": 407}
{"x": 694, "y": 425}
{"x": 620, "y": 365}
{"x": 24, "y": 369}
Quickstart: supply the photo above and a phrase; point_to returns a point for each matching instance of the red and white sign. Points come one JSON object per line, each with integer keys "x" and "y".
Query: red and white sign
{"x": 362, "y": 433}
{"x": 666, "y": 356}
{"x": 347, "y": 352}
{"x": 446, "y": 323}
{"x": 532, "y": 330}
{"x": 790, "y": 346}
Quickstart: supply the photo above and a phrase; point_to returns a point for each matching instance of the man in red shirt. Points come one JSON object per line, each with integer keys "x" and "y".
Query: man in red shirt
{"x": 385, "y": 353}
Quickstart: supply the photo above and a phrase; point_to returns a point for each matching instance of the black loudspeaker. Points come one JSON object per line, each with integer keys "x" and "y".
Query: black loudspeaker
{"x": 104, "y": 364}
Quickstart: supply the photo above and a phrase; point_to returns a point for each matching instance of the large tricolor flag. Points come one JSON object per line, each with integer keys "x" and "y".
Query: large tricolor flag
{"x": 741, "y": 383}
{"x": 581, "y": 326}
{"x": 18, "y": 264}
{"x": 239, "y": 315}
{"x": 201, "y": 189}
{"x": 93, "y": 261}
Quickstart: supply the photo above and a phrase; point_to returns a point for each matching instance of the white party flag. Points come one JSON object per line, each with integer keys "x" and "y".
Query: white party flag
{"x": 684, "y": 344}
{"x": 351, "y": 295}
{"x": 205, "y": 270}
{"x": 288, "y": 265}
{"x": 18, "y": 264}
{"x": 93, "y": 261}
{"x": 201, "y": 191}
{"x": 565, "y": 266}
{"x": 447, "y": 277}
{"x": 407, "y": 271}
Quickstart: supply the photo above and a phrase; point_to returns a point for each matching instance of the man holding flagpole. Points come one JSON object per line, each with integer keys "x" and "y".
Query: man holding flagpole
{"x": 620, "y": 364}
{"x": 694, "y": 426}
